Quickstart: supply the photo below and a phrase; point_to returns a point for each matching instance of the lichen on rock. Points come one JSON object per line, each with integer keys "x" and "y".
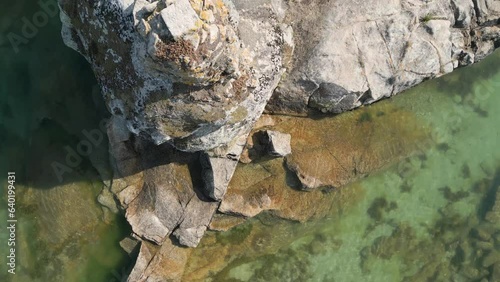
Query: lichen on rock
{"x": 179, "y": 71}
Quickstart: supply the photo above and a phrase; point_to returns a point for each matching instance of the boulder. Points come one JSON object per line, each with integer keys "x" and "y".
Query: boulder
{"x": 278, "y": 143}
{"x": 218, "y": 166}
{"x": 197, "y": 216}
{"x": 160, "y": 189}
{"x": 464, "y": 12}
{"x": 170, "y": 201}
{"x": 165, "y": 263}
{"x": 146, "y": 254}
{"x": 262, "y": 143}
{"x": 180, "y": 18}
{"x": 160, "y": 206}
{"x": 196, "y": 74}
{"x": 488, "y": 11}
{"x": 217, "y": 173}
{"x": 307, "y": 180}
{"x": 129, "y": 244}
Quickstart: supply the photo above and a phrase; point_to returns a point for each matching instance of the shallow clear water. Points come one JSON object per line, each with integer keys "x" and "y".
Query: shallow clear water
{"x": 416, "y": 221}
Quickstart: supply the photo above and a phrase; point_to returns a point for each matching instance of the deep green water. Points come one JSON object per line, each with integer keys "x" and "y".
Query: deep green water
{"x": 417, "y": 221}
{"x": 48, "y": 95}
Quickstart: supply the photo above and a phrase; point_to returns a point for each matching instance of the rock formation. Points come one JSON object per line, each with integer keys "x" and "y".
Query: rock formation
{"x": 194, "y": 73}
{"x": 187, "y": 80}
{"x": 350, "y": 53}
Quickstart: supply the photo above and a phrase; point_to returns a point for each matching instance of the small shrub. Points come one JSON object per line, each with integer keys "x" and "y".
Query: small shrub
{"x": 427, "y": 18}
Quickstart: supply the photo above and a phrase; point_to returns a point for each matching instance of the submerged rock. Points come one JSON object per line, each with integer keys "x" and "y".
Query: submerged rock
{"x": 495, "y": 276}
{"x": 491, "y": 258}
{"x": 129, "y": 245}
{"x": 333, "y": 152}
{"x": 493, "y": 216}
{"x": 307, "y": 180}
{"x": 224, "y": 222}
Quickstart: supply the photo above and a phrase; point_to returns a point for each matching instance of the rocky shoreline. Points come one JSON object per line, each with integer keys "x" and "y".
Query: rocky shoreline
{"x": 187, "y": 82}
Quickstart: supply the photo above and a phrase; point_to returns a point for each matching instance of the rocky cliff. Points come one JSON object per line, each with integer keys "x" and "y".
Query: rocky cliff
{"x": 186, "y": 81}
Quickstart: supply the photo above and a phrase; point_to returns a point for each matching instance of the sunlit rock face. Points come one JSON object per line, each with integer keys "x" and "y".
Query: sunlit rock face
{"x": 194, "y": 73}
{"x": 197, "y": 73}
{"x": 350, "y": 53}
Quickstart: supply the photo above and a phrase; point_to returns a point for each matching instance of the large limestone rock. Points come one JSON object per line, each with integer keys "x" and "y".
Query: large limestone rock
{"x": 218, "y": 167}
{"x": 159, "y": 187}
{"x": 350, "y": 53}
{"x": 161, "y": 204}
{"x": 198, "y": 73}
{"x": 217, "y": 173}
{"x": 194, "y": 73}
{"x": 488, "y": 11}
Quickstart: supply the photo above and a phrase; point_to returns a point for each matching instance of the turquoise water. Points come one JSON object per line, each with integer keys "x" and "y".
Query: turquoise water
{"x": 417, "y": 221}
